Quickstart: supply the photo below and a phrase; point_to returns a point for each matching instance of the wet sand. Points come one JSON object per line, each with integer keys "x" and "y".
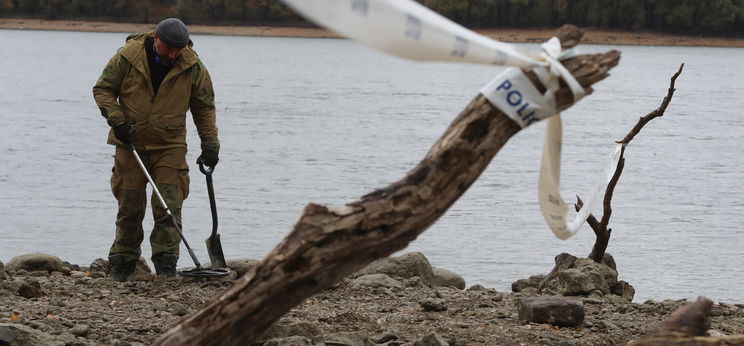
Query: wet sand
{"x": 592, "y": 36}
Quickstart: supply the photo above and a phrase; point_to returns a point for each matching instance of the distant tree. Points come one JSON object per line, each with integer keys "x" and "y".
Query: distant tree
{"x": 630, "y": 14}
{"x": 234, "y": 9}
{"x": 54, "y": 9}
{"x": 215, "y": 9}
{"x": 682, "y": 16}
{"x": 120, "y": 9}
{"x": 30, "y": 6}
{"x": 5, "y": 6}
{"x": 183, "y": 9}
{"x": 542, "y": 13}
{"x": 718, "y": 15}
{"x": 602, "y": 13}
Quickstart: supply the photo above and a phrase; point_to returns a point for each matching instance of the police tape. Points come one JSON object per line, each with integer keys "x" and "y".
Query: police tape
{"x": 552, "y": 206}
{"x": 406, "y": 29}
{"x": 409, "y": 30}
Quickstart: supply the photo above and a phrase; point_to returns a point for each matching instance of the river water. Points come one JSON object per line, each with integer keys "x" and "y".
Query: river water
{"x": 328, "y": 120}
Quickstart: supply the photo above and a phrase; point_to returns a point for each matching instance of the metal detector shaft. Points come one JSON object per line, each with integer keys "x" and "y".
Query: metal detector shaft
{"x": 167, "y": 210}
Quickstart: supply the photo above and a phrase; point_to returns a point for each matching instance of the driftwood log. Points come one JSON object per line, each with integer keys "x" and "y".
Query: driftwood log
{"x": 688, "y": 326}
{"x": 600, "y": 227}
{"x": 329, "y": 243}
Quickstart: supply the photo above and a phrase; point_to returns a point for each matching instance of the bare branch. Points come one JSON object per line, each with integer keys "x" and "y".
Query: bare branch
{"x": 600, "y": 229}
{"x": 658, "y": 112}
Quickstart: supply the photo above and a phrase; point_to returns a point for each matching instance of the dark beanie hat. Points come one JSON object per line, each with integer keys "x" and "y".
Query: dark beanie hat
{"x": 173, "y": 32}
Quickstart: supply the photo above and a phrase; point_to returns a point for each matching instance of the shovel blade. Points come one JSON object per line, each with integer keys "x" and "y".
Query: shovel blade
{"x": 214, "y": 248}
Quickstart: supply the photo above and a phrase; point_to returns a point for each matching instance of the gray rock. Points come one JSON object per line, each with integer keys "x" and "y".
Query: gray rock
{"x": 623, "y": 289}
{"x": 178, "y": 309}
{"x": 563, "y": 261}
{"x": 80, "y": 330}
{"x": 242, "y": 265}
{"x": 586, "y": 277}
{"x": 533, "y": 281}
{"x": 290, "y": 341}
{"x": 376, "y": 280}
{"x": 2, "y": 271}
{"x": 608, "y": 273}
{"x": 387, "y": 337}
{"x": 415, "y": 282}
{"x": 350, "y": 339}
{"x": 100, "y": 265}
{"x": 446, "y": 278}
{"x": 405, "y": 266}
{"x": 530, "y": 292}
{"x": 606, "y": 325}
{"x": 559, "y": 311}
{"x": 77, "y": 275}
{"x": 479, "y": 288}
{"x": 432, "y": 339}
{"x": 30, "y": 288}
{"x": 609, "y": 261}
{"x": 37, "y": 262}
{"x": 435, "y": 305}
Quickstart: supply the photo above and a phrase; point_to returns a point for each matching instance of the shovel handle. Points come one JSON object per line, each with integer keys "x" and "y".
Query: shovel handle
{"x": 206, "y": 169}
{"x": 210, "y": 191}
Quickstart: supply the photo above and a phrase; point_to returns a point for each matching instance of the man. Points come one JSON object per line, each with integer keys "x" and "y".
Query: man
{"x": 144, "y": 93}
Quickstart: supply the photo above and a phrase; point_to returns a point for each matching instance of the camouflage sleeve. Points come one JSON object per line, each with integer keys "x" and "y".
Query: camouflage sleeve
{"x": 203, "y": 108}
{"x": 107, "y": 88}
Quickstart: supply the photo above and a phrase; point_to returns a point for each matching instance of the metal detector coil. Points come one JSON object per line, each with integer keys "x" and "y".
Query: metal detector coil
{"x": 204, "y": 272}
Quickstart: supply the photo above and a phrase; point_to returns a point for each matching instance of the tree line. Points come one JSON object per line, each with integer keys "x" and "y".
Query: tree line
{"x": 721, "y": 17}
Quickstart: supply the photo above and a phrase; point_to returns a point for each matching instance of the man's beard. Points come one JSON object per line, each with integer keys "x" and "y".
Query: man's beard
{"x": 162, "y": 60}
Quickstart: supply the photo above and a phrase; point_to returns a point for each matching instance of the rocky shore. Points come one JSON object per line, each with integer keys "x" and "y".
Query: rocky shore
{"x": 394, "y": 301}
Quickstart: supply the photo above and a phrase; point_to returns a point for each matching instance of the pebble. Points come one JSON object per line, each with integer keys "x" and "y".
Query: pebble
{"x": 80, "y": 330}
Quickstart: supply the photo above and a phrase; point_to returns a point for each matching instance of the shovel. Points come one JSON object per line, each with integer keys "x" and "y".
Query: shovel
{"x": 214, "y": 246}
{"x": 198, "y": 271}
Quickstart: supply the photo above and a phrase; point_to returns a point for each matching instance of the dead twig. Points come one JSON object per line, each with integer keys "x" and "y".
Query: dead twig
{"x": 600, "y": 228}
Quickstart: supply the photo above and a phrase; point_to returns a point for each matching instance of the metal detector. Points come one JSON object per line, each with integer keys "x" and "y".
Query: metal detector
{"x": 198, "y": 271}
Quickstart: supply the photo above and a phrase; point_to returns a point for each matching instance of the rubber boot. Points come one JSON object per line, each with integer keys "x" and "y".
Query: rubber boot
{"x": 165, "y": 264}
{"x": 121, "y": 268}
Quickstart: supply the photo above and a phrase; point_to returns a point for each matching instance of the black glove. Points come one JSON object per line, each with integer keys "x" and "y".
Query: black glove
{"x": 208, "y": 158}
{"x": 123, "y": 132}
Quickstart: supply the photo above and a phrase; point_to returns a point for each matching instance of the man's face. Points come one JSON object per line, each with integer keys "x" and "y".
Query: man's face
{"x": 167, "y": 53}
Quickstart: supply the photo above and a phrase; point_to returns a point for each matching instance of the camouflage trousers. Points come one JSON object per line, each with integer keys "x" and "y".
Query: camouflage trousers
{"x": 170, "y": 173}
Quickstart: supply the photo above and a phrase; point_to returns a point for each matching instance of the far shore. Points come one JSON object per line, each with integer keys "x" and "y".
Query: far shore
{"x": 591, "y": 36}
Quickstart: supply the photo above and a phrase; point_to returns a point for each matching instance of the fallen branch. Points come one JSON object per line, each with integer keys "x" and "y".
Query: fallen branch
{"x": 328, "y": 243}
{"x": 600, "y": 227}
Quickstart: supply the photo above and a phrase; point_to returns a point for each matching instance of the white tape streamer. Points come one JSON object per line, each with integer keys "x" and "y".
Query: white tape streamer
{"x": 552, "y": 206}
{"x": 409, "y": 30}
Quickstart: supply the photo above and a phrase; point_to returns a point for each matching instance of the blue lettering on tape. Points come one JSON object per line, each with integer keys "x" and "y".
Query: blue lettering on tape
{"x": 360, "y": 6}
{"x": 461, "y": 46}
{"x": 515, "y": 99}
{"x": 413, "y": 27}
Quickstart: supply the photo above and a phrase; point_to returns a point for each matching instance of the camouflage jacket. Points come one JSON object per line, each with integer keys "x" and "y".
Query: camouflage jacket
{"x": 124, "y": 93}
